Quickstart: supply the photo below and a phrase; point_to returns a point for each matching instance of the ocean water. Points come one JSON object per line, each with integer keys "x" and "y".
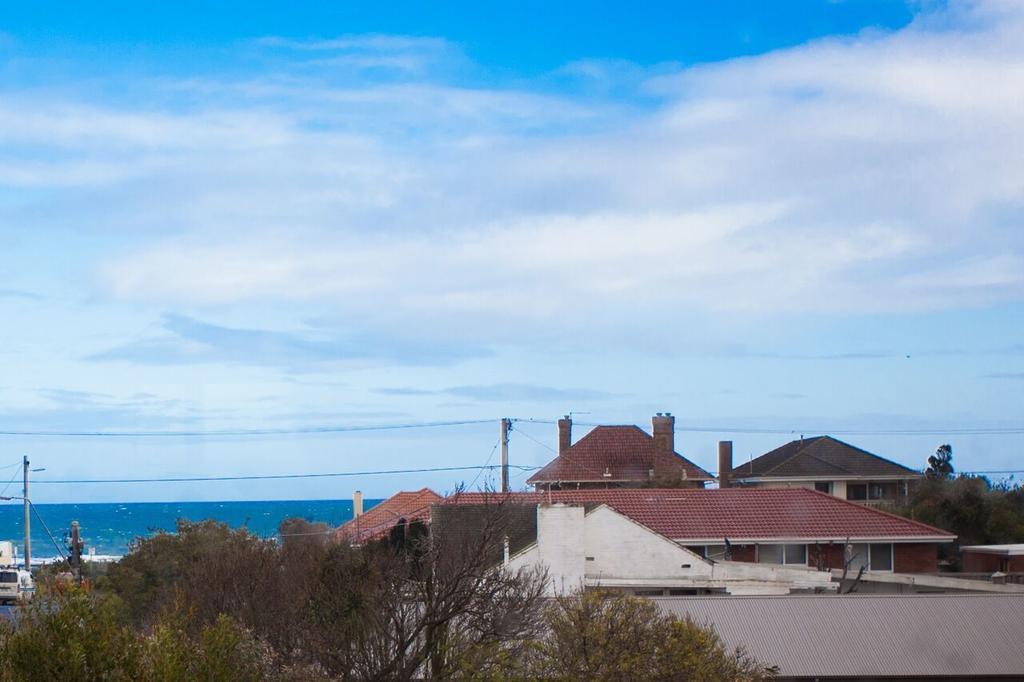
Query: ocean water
{"x": 108, "y": 528}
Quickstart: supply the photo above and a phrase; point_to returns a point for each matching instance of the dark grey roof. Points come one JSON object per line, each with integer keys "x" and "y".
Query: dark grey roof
{"x": 820, "y": 456}
{"x": 876, "y": 635}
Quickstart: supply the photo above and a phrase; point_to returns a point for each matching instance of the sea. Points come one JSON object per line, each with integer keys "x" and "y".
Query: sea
{"x": 109, "y": 528}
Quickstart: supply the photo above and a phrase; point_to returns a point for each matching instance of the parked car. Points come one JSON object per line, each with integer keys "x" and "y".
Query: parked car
{"x": 15, "y": 585}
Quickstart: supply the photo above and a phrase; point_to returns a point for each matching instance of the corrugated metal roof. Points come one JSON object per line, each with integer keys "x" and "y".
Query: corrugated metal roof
{"x": 877, "y": 635}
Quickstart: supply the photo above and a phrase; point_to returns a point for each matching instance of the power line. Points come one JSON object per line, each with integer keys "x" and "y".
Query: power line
{"x": 1016, "y": 430}
{"x": 965, "y": 431}
{"x": 529, "y": 437}
{"x": 225, "y": 433}
{"x": 486, "y": 463}
{"x": 334, "y": 429}
{"x": 13, "y": 476}
{"x": 1004, "y": 471}
{"x": 274, "y": 477}
{"x": 52, "y": 539}
{"x": 578, "y": 463}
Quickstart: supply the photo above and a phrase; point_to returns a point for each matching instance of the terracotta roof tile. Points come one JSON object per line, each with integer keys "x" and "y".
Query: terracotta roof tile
{"x": 627, "y": 453}
{"x": 380, "y": 519}
{"x": 741, "y": 514}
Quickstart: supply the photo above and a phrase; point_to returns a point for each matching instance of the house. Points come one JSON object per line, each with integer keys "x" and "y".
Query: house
{"x": 594, "y": 546}
{"x": 401, "y": 508}
{"x": 870, "y": 637}
{"x": 777, "y": 527}
{"x": 825, "y": 464}
{"x": 619, "y": 457}
{"x": 992, "y": 558}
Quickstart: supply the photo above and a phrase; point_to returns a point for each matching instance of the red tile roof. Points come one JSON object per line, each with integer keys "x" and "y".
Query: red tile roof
{"x": 380, "y": 519}
{"x": 627, "y": 453}
{"x": 742, "y": 515}
{"x": 821, "y": 457}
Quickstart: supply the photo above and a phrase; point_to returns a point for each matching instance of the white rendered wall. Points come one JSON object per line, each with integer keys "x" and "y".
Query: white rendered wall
{"x": 619, "y": 548}
{"x": 609, "y": 549}
{"x": 560, "y": 545}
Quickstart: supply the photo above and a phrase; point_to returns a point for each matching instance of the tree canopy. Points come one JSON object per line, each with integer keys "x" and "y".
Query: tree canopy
{"x": 940, "y": 465}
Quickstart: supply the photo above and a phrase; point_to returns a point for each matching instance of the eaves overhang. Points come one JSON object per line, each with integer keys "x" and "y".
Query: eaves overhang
{"x": 810, "y": 540}
{"x": 799, "y": 479}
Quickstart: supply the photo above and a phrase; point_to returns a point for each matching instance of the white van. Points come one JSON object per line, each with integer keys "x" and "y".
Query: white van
{"x": 15, "y": 585}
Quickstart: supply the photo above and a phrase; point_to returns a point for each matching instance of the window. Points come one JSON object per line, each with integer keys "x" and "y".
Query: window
{"x": 796, "y": 554}
{"x": 9, "y": 577}
{"x": 648, "y": 593}
{"x": 782, "y": 554}
{"x": 874, "y": 557}
{"x": 823, "y": 486}
{"x": 881, "y": 557}
{"x": 857, "y": 556}
{"x": 714, "y": 552}
{"x": 769, "y": 554}
{"x": 856, "y": 491}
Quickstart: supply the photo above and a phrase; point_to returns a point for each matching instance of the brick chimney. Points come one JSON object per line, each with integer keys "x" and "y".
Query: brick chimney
{"x": 663, "y": 427}
{"x": 564, "y": 434}
{"x": 724, "y": 463}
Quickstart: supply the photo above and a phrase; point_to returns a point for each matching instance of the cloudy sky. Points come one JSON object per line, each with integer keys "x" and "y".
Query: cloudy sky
{"x": 327, "y": 214}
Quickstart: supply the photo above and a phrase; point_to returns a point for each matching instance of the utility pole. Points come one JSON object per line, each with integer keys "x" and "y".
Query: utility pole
{"x": 75, "y": 548}
{"x": 506, "y": 424}
{"x": 28, "y": 519}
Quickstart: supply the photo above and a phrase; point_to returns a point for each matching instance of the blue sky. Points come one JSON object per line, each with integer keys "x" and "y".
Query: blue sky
{"x": 802, "y": 217}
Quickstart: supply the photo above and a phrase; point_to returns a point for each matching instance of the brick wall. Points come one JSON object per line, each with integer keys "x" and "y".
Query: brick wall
{"x": 915, "y": 558}
{"x": 979, "y": 562}
{"x": 744, "y": 553}
{"x": 976, "y": 562}
{"x": 831, "y": 555}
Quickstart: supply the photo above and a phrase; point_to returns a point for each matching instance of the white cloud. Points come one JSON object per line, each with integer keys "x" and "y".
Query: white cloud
{"x": 842, "y": 175}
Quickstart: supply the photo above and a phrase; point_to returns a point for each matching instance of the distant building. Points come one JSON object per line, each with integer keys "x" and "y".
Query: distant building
{"x": 825, "y": 464}
{"x": 401, "y": 508}
{"x": 594, "y": 546}
{"x": 619, "y": 457}
{"x": 993, "y": 558}
{"x": 635, "y": 547}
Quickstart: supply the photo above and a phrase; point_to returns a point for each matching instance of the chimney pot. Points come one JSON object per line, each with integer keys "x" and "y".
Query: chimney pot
{"x": 357, "y": 504}
{"x": 724, "y": 463}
